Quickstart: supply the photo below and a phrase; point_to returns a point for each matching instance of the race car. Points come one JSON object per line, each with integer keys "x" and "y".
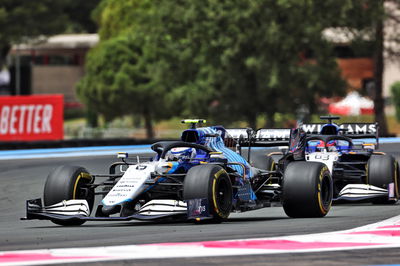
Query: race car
{"x": 359, "y": 172}
{"x": 203, "y": 176}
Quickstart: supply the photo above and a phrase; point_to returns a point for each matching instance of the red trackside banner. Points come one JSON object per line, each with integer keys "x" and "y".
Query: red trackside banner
{"x": 30, "y": 118}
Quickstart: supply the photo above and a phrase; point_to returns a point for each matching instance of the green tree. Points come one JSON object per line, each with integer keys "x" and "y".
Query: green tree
{"x": 125, "y": 71}
{"x": 79, "y": 18}
{"x": 21, "y": 19}
{"x": 117, "y": 82}
{"x": 239, "y": 59}
{"x": 115, "y": 17}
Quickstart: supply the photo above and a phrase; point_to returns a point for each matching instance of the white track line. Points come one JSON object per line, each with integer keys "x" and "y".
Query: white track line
{"x": 384, "y": 234}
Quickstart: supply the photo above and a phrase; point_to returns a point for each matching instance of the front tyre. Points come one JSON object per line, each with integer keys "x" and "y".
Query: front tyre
{"x": 210, "y": 182}
{"x": 66, "y": 183}
{"x": 307, "y": 190}
{"x": 381, "y": 171}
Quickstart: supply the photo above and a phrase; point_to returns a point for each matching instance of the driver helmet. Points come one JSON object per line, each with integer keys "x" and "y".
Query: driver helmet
{"x": 181, "y": 153}
{"x": 320, "y": 146}
{"x": 315, "y": 145}
{"x": 331, "y": 145}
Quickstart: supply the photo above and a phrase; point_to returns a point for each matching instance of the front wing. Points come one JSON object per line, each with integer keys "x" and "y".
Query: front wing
{"x": 360, "y": 192}
{"x": 78, "y": 210}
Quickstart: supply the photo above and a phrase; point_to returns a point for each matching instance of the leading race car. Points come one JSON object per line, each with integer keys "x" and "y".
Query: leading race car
{"x": 201, "y": 177}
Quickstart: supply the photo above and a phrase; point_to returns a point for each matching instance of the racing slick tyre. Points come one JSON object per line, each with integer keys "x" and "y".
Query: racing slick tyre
{"x": 264, "y": 162}
{"x": 381, "y": 171}
{"x": 307, "y": 190}
{"x": 65, "y": 183}
{"x": 210, "y": 182}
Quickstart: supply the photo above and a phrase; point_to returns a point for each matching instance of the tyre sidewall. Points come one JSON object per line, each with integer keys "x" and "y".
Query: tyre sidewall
{"x": 381, "y": 171}
{"x": 63, "y": 184}
{"x": 203, "y": 182}
{"x": 219, "y": 177}
{"x": 325, "y": 179}
{"x": 307, "y": 189}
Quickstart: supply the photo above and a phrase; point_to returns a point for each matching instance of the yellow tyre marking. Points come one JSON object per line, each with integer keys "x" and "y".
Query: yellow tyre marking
{"x": 321, "y": 206}
{"x": 81, "y": 175}
{"x": 216, "y": 176}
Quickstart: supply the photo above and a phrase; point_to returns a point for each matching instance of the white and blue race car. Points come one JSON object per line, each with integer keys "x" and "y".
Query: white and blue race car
{"x": 203, "y": 176}
{"x": 359, "y": 172}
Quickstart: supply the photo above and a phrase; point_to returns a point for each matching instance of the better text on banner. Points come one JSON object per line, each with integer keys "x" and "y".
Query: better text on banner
{"x": 30, "y": 118}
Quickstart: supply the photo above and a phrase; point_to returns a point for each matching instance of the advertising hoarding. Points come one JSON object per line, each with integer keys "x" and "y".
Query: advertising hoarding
{"x": 31, "y": 118}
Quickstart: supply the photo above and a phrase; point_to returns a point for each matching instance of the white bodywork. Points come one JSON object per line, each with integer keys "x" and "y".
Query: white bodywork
{"x": 70, "y": 207}
{"x": 350, "y": 191}
{"x": 130, "y": 184}
{"x": 363, "y": 191}
{"x": 157, "y": 207}
{"x": 325, "y": 157}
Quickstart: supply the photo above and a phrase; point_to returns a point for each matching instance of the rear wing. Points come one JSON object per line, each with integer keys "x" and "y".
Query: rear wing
{"x": 352, "y": 130}
{"x": 267, "y": 137}
{"x": 261, "y": 138}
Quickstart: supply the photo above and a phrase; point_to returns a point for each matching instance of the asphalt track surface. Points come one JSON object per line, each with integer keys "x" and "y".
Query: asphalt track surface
{"x": 24, "y": 179}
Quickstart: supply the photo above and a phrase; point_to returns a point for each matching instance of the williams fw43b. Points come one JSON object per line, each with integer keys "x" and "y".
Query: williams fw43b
{"x": 359, "y": 172}
{"x": 203, "y": 176}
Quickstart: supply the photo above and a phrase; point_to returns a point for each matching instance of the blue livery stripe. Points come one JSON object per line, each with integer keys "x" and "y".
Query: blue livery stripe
{"x": 217, "y": 144}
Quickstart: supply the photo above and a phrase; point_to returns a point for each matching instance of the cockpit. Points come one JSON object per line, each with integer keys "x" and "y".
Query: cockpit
{"x": 329, "y": 145}
{"x": 181, "y": 153}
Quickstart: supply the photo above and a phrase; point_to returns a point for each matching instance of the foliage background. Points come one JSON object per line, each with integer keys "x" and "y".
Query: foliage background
{"x": 228, "y": 60}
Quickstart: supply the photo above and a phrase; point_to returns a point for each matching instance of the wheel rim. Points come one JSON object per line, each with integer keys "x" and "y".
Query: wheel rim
{"x": 223, "y": 196}
{"x": 326, "y": 192}
{"x": 81, "y": 182}
{"x": 82, "y": 189}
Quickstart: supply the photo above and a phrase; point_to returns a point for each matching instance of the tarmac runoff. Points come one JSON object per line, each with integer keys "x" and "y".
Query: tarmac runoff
{"x": 107, "y": 150}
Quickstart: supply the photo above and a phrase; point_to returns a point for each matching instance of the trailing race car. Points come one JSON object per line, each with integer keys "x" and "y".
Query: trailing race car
{"x": 359, "y": 172}
{"x": 202, "y": 176}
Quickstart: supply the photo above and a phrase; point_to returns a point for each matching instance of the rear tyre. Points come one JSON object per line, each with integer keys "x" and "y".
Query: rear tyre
{"x": 210, "y": 182}
{"x": 264, "y": 162}
{"x": 307, "y": 190}
{"x": 66, "y": 183}
{"x": 381, "y": 171}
